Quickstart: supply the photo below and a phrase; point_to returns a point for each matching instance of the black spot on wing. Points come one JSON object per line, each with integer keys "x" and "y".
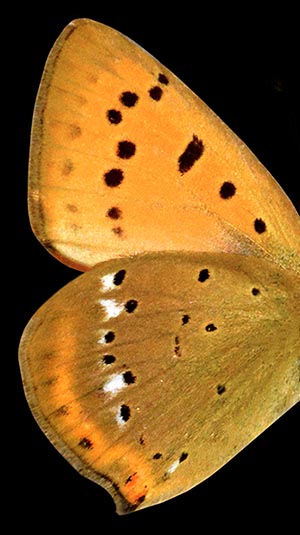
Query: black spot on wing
{"x": 163, "y": 79}
{"x": 126, "y": 149}
{"x": 119, "y": 277}
{"x": 227, "y": 190}
{"x": 129, "y": 99}
{"x": 156, "y": 93}
{"x": 203, "y": 275}
{"x": 109, "y": 359}
{"x": 260, "y": 226}
{"x": 86, "y": 443}
{"x": 191, "y": 154}
{"x": 114, "y": 212}
{"x": 114, "y": 116}
{"x": 113, "y": 177}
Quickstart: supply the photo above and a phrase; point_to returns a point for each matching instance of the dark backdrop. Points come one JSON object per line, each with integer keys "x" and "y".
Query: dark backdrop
{"x": 244, "y": 65}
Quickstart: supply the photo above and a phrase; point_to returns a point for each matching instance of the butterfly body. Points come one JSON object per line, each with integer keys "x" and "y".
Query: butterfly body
{"x": 181, "y": 343}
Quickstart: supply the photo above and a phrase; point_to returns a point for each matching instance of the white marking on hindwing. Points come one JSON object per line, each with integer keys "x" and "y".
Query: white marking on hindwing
{"x": 112, "y": 308}
{"x": 173, "y": 467}
{"x": 114, "y": 384}
{"x": 108, "y": 282}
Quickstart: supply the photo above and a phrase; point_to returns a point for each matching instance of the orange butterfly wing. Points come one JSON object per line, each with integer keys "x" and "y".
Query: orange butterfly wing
{"x": 126, "y": 159}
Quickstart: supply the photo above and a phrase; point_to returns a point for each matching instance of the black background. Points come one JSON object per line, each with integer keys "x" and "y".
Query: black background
{"x": 243, "y": 64}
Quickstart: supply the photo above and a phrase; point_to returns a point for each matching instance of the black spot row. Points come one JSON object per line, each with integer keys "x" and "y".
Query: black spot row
{"x": 203, "y": 276}
{"x": 227, "y": 191}
{"x": 182, "y": 457}
{"x": 156, "y": 91}
{"x": 126, "y": 149}
{"x": 130, "y": 99}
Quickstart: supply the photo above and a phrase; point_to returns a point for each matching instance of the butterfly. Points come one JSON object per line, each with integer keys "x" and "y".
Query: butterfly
{"x": 180, "y": 344}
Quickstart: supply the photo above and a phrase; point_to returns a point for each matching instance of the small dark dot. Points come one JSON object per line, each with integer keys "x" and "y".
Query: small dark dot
{"x": 109, "y": 337}
{"x": 51, "y": 381}
{"x": 129, "y": 378}
{"x": 255, "y": 291}
{"x": 221, "y": 389}
{"x": 62, "y": 411}
{"x": 156, "y": 92}
{"x": 125, "y": 412}
{"x": 185, "y": 319}
{"x": 119, "y": 277}
{"x": 203, "y": 275}
{"x": 75, "y": 131}
{"x": 177, "y": 349}
{"x": 157, "y": 455}
{"x": 118, "y": 231}
{"x": 129, "y": 99}
{"x": 260, "y": 226}
{"x": 183, "y": 457}
{"x": 126, "y": 149}
{"x": 113, "y": 178}
{"x": 142, "y": 440}
{"x": 114, "y": 116}
{"x": 227, "y": 190}
{"x": 86, "y": 443}
{"x": 163, "y": 79}
{"x": 72, "y": 208}
{"x": 109, "y": 359}
{"x": 190, "y": 155}
{"x": 141, "y": 499}
{"x": 68, "y": 167}
{"x": 130, "y": 478}
{"x": 210, "y": 327}
{"x": 131, "y": 305}
{"x": 114, "y": 212}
